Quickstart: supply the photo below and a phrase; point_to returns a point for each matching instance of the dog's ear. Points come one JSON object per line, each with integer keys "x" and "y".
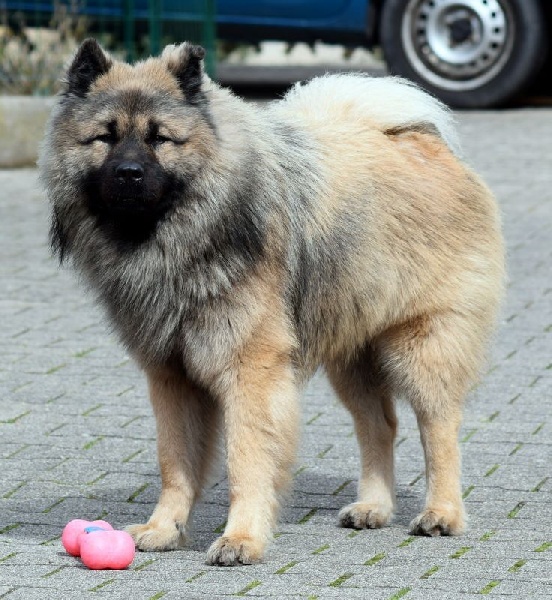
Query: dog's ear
{"x": 185, "y": 63}
{"x": 89, "y": 63}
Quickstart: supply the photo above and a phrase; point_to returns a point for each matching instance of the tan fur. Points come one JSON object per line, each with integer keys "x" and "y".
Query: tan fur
{"x": 187, "y": 422}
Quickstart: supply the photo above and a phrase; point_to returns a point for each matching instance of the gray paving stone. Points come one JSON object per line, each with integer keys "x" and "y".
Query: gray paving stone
{"x": 77, "y": 437}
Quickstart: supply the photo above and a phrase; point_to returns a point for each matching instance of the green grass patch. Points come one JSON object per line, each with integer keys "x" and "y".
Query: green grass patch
{"x": 492, "y": 417}
{"x": 489, "y": 587}
{"x": 468, "y": 491}
{"x": 539, "y": 485}
{"x": 137, "y": 492}
{"x": 516, "y": 397}
{"x": 131, "y": 456}
{"x": 101, "y": 585}
{"x": 538, "y": 429}
{"x": 93, "y": 442}
{"x": 535, "y": 381}
{"x": 91, "y": 410}
{"x": 55, "y": 369}
{"x": 460, "y": 552}
{"x": 400, "y": 594}
{"x": 416, "y": 479}
{"x": 51, "y": 540}
{"x": 52, "y": 506}
{"x": 145, "y": 564}
{"x": 313, "y": 419}
{"x": 57, "y": 428}
{"x": 341, "y": 580}
{"x": 14, "y": 490}
{"x": 516, "y": 449}
{"x": 375, "y": 559}
{"x": 220, "y": 528}
{"x": 431, "y": 572}
{"x": 15, "y": 419}
{"x": 250, "y": 586}
{"x": 84, "y": 353}
{"x": 9, "y": 528}
{"x": 8, "y": 556}
{"x": 54, "y": 572}
{"x": 514, "y": 512}
{"x": 487, "y": 536}
{"x": 158, "y": 595}
{"x": 341, "y": 487}
{"x": 285, "y": 568}
{"x": 128, "y": 389}
{"x": 196, "y": 576}
{"x": 406, "y": 542}
{"x": 469, "y": 435}
{"x": 306, "y": 518}
{"x": 325, "y": 451}
{"x": 98, "y": 478}
{"x": 517, "y": 566}
{"x": 542, "y": 548}
{"x": 491, "y": 470}
{"x": 321, "y": 549}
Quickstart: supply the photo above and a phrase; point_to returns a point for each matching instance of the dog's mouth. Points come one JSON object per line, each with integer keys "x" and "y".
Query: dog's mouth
{"x": 130, "y": 211}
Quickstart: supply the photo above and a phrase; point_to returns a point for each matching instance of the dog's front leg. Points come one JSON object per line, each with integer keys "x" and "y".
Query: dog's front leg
{"x": 186, "y": 441}
{"x": 259, "y": 399}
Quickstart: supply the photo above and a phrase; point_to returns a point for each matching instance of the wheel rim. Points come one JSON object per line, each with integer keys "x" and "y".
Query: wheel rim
{"x": 458, "y": 44}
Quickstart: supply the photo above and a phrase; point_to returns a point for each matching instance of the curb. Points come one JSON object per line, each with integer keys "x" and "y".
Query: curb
{"x": 22, "y": 123}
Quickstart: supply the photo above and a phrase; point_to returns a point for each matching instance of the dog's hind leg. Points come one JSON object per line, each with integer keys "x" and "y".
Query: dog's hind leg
{"x": 432, "y": 361}
{"x": 187, "y": 423}
{"x": 361, "y": 390}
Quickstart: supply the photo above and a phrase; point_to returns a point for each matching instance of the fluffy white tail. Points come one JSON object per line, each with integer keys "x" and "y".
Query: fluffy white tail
{"x": 390, "y": 102}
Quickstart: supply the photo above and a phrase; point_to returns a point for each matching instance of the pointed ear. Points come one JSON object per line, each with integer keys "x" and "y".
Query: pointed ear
{"x": 89, "y": 63}
{"x": 184, "y": 62}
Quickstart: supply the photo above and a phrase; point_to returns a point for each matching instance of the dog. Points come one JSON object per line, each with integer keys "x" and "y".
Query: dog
{"x": 237, "y": 248}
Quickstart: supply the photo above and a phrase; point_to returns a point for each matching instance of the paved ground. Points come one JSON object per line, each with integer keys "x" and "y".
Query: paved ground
{"x": 77, "y": 435}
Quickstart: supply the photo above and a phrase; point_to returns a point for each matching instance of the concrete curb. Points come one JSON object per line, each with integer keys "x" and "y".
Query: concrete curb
{"x": 22, "y": 122}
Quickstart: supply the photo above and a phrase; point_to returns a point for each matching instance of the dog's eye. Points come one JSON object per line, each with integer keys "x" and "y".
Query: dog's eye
{"x": 161, "y": 139}
{"x": 105, "y": 138}
{"x": 110, "y": 137}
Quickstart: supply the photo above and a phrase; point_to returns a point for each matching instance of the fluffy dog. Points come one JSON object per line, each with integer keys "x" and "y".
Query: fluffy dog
{"x": 237, "y": 248}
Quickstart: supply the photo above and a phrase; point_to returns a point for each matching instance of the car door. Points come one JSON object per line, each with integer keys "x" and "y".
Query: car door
{"x": 265, "y": 10}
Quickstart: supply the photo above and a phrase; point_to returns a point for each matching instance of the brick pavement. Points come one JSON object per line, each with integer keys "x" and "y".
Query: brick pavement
{"x": 77, "y": 434}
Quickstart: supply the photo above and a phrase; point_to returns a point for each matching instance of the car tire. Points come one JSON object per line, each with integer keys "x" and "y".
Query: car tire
{"x": 468, "y": 53}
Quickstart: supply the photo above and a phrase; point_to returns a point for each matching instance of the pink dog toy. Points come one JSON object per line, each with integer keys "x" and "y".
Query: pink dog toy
{"x": 76, "y": 527}
{"x": 98, "y": 544}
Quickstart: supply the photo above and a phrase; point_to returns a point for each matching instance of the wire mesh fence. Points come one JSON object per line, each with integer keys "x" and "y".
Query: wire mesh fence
{"x": 37, "y": 37}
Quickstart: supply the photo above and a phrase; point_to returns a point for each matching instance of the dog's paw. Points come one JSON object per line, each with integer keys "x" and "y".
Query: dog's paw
{"x": 156, "y": 538}
{"x": 435, "y": 522}
{"x": 230, "y": 551}
{"x": 360, "y": 515}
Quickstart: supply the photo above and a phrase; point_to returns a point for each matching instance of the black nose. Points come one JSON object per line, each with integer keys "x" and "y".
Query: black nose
{"x": 129, "y": 172}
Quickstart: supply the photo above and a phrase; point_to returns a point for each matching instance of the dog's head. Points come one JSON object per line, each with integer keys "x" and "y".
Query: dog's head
{"x": 130, "y": 138}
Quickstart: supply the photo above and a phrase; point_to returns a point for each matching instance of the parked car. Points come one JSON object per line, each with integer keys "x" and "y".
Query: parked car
{"x": 469, "y": 53}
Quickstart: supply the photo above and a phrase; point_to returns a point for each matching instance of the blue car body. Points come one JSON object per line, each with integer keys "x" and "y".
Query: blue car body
{"x": 337, "y": 21}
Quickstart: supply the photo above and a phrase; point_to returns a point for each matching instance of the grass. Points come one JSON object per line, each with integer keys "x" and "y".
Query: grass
{"x": 341, "y": 580}
{"x": 250, "y": 586}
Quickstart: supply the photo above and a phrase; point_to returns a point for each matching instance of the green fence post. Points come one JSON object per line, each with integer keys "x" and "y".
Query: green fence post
{"x": 208, "y": 38}
{"x": 155, "y": 26}
{"x": 128, "y": 16}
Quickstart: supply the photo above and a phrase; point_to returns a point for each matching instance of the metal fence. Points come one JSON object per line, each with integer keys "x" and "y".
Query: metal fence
{"x": 38, "y": 36}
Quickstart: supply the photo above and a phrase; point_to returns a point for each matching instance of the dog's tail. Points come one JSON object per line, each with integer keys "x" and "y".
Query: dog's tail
{"x": 391, "y": 103}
